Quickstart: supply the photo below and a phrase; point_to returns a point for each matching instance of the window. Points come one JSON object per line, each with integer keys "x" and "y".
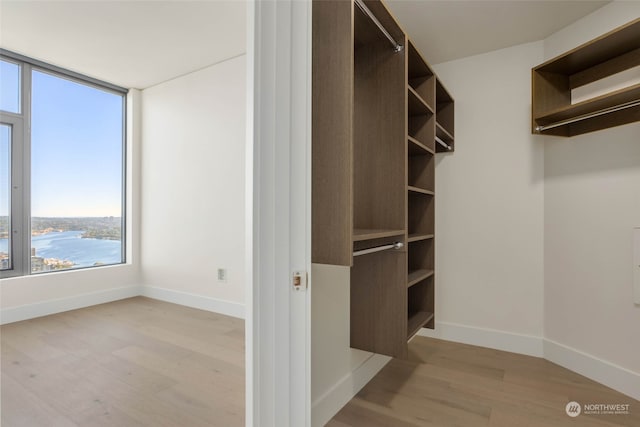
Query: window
{"x": 62, "y": 180}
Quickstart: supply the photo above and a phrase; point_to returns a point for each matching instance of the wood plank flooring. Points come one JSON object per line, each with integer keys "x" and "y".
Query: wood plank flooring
{"x": 135, "y": 362}
{"x": 447, "y": 384}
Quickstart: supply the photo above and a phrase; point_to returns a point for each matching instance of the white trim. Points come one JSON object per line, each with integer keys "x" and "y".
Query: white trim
{"x": 614, "y": 376}
{"x": 327, "y": 405}
{"x": 602, "y": 371}
{"x": 228, "y": 308}
{"x": 59, "y": 305}
{"x": 491, "y": 338}
{"x": 279, "y": 329}
{"x": 251, "y": 354}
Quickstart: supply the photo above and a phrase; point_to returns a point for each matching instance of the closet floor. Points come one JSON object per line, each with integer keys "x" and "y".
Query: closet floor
{"x": 448, "y": 384}
{"x": 135, "y": 362}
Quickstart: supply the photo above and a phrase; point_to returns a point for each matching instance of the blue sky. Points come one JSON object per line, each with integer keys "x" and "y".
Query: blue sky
{"x": 76, "y": 149}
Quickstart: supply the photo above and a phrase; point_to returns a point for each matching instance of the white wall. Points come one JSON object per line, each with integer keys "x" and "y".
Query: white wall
{"x": 489, "y": 210}
{"x": 38, "y": 295}
{"x": 193, "y": 179}
{"x": 592, "y": 202}
{"x": 338, "y": 371}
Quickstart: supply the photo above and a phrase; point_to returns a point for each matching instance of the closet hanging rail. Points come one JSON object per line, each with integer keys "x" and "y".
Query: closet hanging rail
{"x": 589, "y": 115}
{"x": 444, "y": 144}
{"x": 397, "y": 47}
{"x": 396, "y": 245}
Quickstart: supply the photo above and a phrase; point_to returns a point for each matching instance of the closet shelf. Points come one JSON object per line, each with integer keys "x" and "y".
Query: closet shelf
{"x": 417, "y": 276}
{"x": 360, "y": 234}
{"x": 607, "y": 47}
{"x": 419, "y": 190}
{"x": 417, "y": 105}
{"x": 418, "y": 237}
{"x": 442, "y": 133}
{"x": 613, "y": 99}
{"x": 416, "y": 321}
{"x": 553, "y": 83}
{"x": 417, "y": 148}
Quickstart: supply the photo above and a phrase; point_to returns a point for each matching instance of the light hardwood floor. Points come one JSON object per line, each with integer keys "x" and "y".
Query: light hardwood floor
{"x": 447, "y": 384}
{"x": 136, "y": 362}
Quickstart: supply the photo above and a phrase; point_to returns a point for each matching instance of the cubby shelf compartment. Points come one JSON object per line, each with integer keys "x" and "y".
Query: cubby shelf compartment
{"x": 444, "y": 118}
{"x": 442, "y": 133}
{"x": 417, "y": 276}
{"x": 419, "y": 190}
{"x": 593, "y": 105}
{"x": 417, "y": 148}
{"x": 418, "y": 237}
{"x": 417, "y": 105}
{"x": 552, "y": 110}
{"x": 416, "y": 321}
{"x": 360, "y": 234}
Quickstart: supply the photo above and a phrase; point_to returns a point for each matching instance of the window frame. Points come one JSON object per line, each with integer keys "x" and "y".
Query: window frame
{"x": 20, "y": 201}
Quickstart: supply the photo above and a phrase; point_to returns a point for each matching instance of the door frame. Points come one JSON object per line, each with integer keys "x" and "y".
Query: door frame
{"x": 278, "y": 223}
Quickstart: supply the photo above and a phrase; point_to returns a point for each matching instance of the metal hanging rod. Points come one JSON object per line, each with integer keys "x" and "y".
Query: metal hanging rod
{"x": 396, "y": 245}
{"x": 444, "y": 144}
{"x": 590, "y": 115}
{"x": 397, "y": 47}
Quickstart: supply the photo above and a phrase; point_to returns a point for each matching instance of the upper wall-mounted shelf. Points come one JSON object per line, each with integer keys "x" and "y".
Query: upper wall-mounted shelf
{"x": 552, "y": 82}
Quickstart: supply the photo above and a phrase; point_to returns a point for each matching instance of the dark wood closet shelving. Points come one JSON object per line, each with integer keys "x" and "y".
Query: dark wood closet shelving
{"x": 416, "y": 321}
{"x": 360, "y": 234}
{"x": 443, "y": 133}
{"x": 444, "y": 118}
{"x": 552, "y": 111}
{"x": 420, "y": 190}
{"x": 417, "y": 148}
{"x": 417, "y": 276}
{"x": 417, "y": 105}
{"x": 618, "y": 97}
{"x": 417, "y": 237}
{"x": 373, "y": 170}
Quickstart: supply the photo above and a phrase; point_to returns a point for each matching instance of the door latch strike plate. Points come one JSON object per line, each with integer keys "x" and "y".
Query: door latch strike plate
{"x": 299, "y": 280}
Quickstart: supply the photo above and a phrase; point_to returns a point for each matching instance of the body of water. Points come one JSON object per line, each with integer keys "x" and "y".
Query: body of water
{"x": 68, "y": 245}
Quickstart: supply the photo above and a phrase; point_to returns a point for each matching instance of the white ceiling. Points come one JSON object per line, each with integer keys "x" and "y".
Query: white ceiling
{"x": 135, "y": 44}
{"x": 140, "y": 43}
{"x": 447, "y": 30}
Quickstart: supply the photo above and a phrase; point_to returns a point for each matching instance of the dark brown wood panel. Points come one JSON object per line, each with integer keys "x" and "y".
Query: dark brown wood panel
{"x": 445, "y": 118}
{"x": 605, "y": 69}
{"x": 421, "y": 255}
{"x": 608, "y": 100}
{"x": 421, "y": 172}
{"x": 378, "y": 301}
{"x": 420, "y": 213}
{"x": 604, "y": 56}
{"x": 618, "y": 118}
{"x": 615, "y": 43}
{"x": 422, "y": 129}
{"x": 421, "y": 304}
{"x": 552, "y": 91}
{"x": 332, "y": 154}
{"x": 379, "y": 137}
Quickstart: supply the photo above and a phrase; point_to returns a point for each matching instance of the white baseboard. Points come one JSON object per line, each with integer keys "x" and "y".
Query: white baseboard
{"x": 45, "y": 308}
{"x": 607, "y": 373}
{"x": 229, "y": 308}
{"x": 491, "y": 338}
{"x": 327, "y": 405}
{"x": 602, "y": 371}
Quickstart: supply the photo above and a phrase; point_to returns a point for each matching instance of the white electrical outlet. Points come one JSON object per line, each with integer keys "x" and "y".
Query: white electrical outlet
{"x": 222, "y": 275}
